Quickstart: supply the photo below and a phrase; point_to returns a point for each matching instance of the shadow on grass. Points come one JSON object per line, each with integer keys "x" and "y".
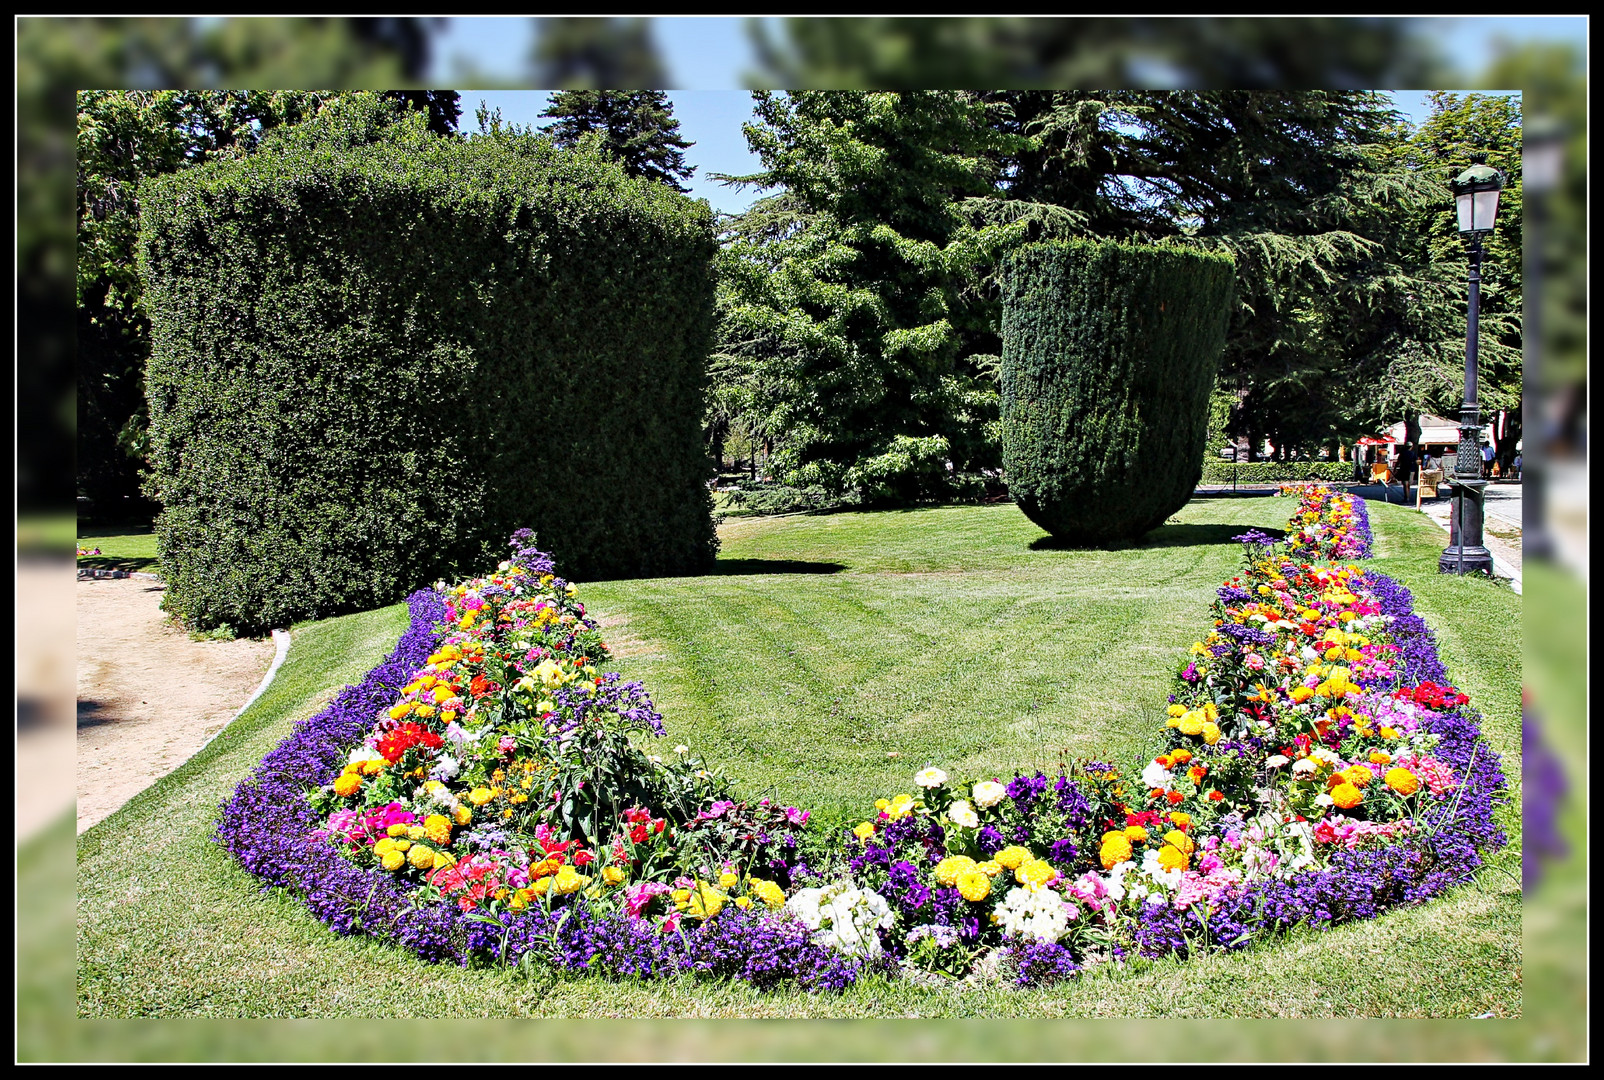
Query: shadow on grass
{"x": 121, "y": 562}
{"x": 730, "y": 567}
{"x": 1164, "y": 536}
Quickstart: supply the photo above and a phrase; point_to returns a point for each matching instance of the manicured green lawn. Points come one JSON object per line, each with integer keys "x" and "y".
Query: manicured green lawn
{"x": 119, "y": 549}
{"x": 831, "y": 657}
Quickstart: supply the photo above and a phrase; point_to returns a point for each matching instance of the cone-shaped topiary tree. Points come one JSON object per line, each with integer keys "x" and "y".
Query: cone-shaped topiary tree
{"x": 1109, "y": 354}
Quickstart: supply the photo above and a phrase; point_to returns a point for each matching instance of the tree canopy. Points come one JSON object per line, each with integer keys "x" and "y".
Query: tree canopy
{"x": 636, "y": 128}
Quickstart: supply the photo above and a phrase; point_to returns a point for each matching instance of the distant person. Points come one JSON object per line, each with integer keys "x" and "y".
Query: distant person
{"x": 1516, "y": 463}
{"x": 1487, "y": 461}
{"x": 1405, "y": 467}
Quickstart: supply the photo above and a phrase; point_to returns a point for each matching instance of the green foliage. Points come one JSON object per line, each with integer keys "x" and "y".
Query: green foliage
{"x": 849, "y": 313}
{"x": 1109, "y": 355}
{"x": 637, "y": 129}
{"x": 123, "y": 137}
{"x": 1269, "y": 472}
{"x": 378, "y": 352}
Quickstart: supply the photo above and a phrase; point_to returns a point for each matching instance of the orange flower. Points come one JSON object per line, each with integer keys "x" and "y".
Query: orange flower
{"x": 1175, "y": 796}
{"x": 1215, "y": 796}
{"x": 1197, "y": 773}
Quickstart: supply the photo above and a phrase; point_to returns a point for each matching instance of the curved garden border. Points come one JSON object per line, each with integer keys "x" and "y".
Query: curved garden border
{"x": 267, "y": 821}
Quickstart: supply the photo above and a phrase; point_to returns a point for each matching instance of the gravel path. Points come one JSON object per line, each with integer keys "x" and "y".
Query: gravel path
{"x": 148, "y": 696}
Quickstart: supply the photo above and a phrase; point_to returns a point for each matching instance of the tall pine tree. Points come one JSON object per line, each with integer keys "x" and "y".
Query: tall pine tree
{"x": 636, "y": 127}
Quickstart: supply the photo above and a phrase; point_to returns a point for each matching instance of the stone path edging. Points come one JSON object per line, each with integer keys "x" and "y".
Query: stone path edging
{"x": 281, "y": 643}
{"x": 86, "y": 573}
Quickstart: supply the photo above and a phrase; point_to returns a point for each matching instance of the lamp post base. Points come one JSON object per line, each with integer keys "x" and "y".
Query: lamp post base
{"x": 1465, "y": 553}
{"x": 1470, "y": 560}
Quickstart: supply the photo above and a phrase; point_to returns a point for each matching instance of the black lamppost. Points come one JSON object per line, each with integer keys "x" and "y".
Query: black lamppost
{"x": 1476, "y": 193}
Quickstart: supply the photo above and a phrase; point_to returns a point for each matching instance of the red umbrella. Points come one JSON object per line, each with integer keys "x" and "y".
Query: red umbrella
{"x": 1381, "y": 440}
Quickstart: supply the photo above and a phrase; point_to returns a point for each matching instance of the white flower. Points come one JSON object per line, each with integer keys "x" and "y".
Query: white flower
{"x": 1324, "y": 799}
{"x": 843, "y": 917}
{"x": 963, "y": 814}
{"x": 1304, "y": 765}
{"x": 364, "y": 753}
{"x": 930, "y": 777}
{"x": 988, "y": 793}
{"x": 681, "y": 749}
{"x": 1325, "y": 754}
{"x": 503, "y": 565}
{"x": 1156, "y": 775}
{"x": 1275, "y": 761}
{"x": 1033, "y": 913}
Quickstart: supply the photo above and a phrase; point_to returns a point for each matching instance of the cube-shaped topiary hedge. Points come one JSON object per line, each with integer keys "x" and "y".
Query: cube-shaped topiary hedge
{"x": 1109, "y": 355}
{"x": 377, "y": 352}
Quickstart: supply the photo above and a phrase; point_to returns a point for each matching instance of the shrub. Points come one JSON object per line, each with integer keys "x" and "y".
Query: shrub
{"x": 376, "y": 352}
{"x": 1109, "y": 355}
{"x": 1267, "y": 472}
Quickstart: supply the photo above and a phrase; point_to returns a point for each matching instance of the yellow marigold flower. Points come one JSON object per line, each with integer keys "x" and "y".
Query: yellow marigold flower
{"x": 1115, "y": 850}
{"x": 424, "y": 710}
{"x": 1336, "y": 652}
{"x": 863, "y": 830}
{"x": 1300, "y": 694}
{"x": 1403, "y": 781}
{"x": 1211, "y": 733}
{"x": 383, "y": 847}
{"x": 437, "y": 827}
{"x": 348, "y": 784}
{"x": 1135, "y": 834}
{"x": 480, "y": 795}
{"x": 393, "y": 860}
{"x": 1180, "y": 819}
{"x": 372, "y": 766}
{"x": 1036, "y": 873}
{"x": 1171, "y": 857}
{"x": 900, "y": 807}
{"x": 1011, "y": 856}
{"x": 1178, "y": 839}
{"x": 569, "y": 880}
{"x": 416, "y": 832}
{"x": 948, "y": 869}
{"x": 991, "y": 867}
{"x": 442, "y": 693}
{"x": 400, "y": 709}
{"x": 1176, "y": 710}
{"x": 462, "y": 815}
{"x": 541, "y": 887}
{"x": 420, "y": 857}
{"x": 1380, "y": 757}
{"x": 396, "y": 830}
{"x": 881, "y": 804}
{"x": 1347, "y": 796}
{"x": 1191, "y": 724}
{"x": 766, "y": 891}
{"x": 402, "y": 845}
{"x": 727, "y": 880}
{"x": 1182, "y": 755}
{"x": 1357, "y": 775}
{"x": 613, "y": 875}
{"x": 743, "y": 902}
{"x": 1389, "y": 733}
{"x": 1211, "y": 711}
{"x": 974, "y": 886}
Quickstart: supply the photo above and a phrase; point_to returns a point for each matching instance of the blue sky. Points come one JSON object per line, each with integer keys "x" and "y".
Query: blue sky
{"x": 710, "y": 55}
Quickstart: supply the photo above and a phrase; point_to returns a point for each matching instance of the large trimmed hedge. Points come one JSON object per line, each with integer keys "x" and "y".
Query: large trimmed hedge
{"x": 1109, "y": 354}
{"x": 1270, "y": 472}
{"x": 376, "y": 354}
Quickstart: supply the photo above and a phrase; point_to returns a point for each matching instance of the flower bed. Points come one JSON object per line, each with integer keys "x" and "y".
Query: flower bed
{"x": 489, "y": 795}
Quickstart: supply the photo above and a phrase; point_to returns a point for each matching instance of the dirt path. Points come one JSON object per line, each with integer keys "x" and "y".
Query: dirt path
{"x": 148, "y": 696}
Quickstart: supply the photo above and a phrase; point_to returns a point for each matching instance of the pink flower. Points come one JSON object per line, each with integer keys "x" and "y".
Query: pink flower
{"x": 793, "y": 816}
{"x": 1255, "y": 662}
